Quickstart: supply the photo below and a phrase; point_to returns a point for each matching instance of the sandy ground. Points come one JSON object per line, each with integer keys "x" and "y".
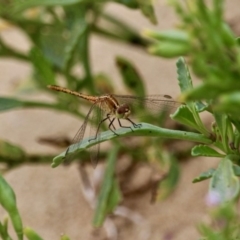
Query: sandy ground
{"x": 51, "y": 200}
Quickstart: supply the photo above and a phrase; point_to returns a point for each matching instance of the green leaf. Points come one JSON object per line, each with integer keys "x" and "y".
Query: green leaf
{"x": 201, "y": 107}
{"x": 31, "y": 234}
{"x": 223, "y": 121}
{"x": 184, "y": 116}
{"x": 65, "y": 237}
{"x": 203, "y": 150}
{"x": 204, "y": 175}
{"x": 4, "y": 230}
{"x": 130, "y": 76}
{"x": 185, "y": 83}
{"x": 228, "y": 103}
{"x": 236, "y": 170}
{"x": 115, "y": 197}
{"x": 129, "y": 3}
{"x": 10, "y": 151}
{"x": 8, "y": 202}
{"x": 43, "y": 69}
{"x": 72, "y": 44}
{"x": 145, "y": 130}
{"x": 207, "y": 90}
{"x": 169, "y": 49}
{"x": 184, "y": 78}
{"x": 109, "y": 196}
{"x": 224, "y": 185}
{"x": 167, "y": 186}
{"x": 174, "y": 36}
{"x": 9, "y": 103}
{"x": 53, "y": 45}
{"x": 20, "y": 5}
{"x": 148, "y": 10}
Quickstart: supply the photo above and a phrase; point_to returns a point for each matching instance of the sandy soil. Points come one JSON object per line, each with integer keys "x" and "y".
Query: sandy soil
{"x": 51, "y": 200}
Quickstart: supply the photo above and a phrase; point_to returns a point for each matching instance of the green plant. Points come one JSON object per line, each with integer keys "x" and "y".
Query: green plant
{"x": 62, "y": 43}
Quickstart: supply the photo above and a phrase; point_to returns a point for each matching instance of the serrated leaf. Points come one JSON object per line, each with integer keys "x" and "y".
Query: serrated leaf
{"x": 108, "y": 197}
{"x": 184, "y": 116}
{"x": 184, "y": 78}
{"x": 224, "y": 185}
{"x": 200, "y": 107}
{"x": 203, "y": 150}
{"x": 204, "y": 175}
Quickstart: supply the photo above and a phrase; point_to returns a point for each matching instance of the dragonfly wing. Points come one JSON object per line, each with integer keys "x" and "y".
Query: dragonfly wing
{"x": 76, "y": 142}
{"x": 152, "y": 103}
{"x": 97, "y": 118}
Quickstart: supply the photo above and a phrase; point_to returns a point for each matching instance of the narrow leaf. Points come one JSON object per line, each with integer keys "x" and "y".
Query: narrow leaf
{"x": 184, "y": 78}
{"x": 72, "y": 43}
{"x": 130, "y": 76}
{"x": 8, "y": 202}
{"x": 20, "y": 5}
{"x": 9, "y": 103}
{"x": 169, "y": 49}
{"x": 204, "y": 175}
{"x": 148, "y": 10}
{"x": 4, "y": 230}
{"x": 145, "y": 130}
{"x": 106, "y": 190}
{"x": 43, "y": 69}
{"x": 203, "y": 150}
{"x": 31, "y": 234}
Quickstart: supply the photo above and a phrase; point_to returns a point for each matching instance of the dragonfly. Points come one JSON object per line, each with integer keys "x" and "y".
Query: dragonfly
{"x": 115, "y": 108}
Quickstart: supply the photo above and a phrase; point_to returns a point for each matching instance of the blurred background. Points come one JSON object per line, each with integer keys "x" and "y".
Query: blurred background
{"x": 56, "y": 201}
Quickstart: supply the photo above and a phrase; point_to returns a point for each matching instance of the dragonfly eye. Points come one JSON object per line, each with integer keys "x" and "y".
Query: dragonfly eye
{"x": 123, "y": 111}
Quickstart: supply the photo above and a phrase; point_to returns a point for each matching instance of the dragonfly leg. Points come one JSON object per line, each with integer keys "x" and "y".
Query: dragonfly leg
{"x": 111, "y": 124}
{"x": 99, "y": 125}
{"x": 135, "y": 125}
{"x": 125, "y": 126}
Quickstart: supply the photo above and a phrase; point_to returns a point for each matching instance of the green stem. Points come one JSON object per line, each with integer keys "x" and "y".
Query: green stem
{"x": 146, "y": 130}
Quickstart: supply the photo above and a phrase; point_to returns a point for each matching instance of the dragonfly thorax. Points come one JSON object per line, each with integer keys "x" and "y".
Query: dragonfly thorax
{"x": 123, "y": 111}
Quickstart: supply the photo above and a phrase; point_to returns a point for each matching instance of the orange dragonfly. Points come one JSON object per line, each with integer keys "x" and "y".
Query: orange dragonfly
{"x": 115, "y": 107}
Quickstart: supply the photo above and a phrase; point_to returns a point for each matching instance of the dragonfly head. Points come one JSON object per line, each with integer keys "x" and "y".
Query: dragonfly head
{"x": 123, "y": 111}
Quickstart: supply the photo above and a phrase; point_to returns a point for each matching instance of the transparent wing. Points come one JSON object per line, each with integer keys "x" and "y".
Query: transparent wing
{"x": 76, "y": 142}
{"x": 152, "y": 103}
{"x": 97, "y": 118}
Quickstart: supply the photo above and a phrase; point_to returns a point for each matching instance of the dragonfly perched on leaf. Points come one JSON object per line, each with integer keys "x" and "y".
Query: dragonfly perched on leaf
{"x": 115, "y": 107}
